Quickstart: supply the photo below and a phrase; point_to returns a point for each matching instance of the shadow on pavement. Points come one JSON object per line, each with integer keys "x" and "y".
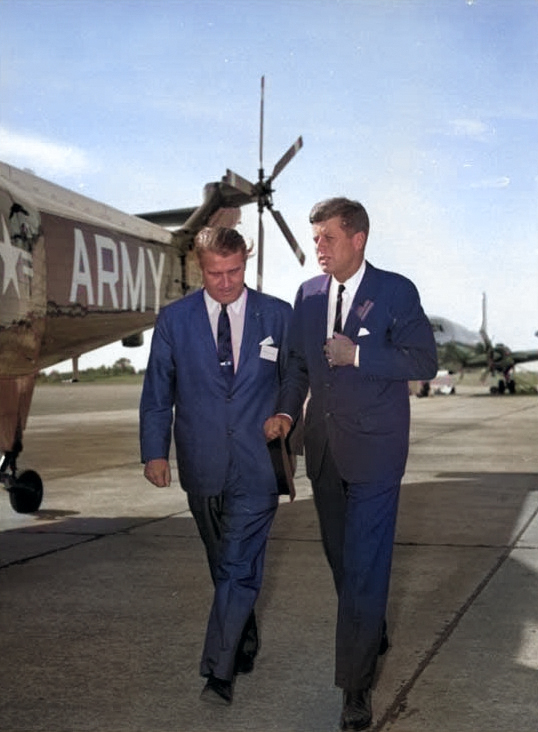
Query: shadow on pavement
{"x": 103, "y": 619}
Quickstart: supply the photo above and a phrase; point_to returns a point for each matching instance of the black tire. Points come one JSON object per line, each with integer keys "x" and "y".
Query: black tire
{"x": 26, "y": 494}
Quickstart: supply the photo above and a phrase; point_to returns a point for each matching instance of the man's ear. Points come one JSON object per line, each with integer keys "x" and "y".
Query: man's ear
{"x": 359, "y": 241}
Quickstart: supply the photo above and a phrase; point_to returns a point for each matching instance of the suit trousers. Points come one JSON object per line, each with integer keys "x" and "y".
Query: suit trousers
{"x": 234, "y": 526}
{"x": 357, "y": 523}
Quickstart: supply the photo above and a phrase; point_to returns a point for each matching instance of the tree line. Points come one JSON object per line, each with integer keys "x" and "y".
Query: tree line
{"x": 122, "y": 368}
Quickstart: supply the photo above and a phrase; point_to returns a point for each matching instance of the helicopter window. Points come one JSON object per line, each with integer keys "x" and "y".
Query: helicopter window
{"x": 23, "y": 226}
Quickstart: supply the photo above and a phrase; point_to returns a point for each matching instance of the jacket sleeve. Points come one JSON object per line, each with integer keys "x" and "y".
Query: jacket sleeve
{"x": 407, "y": 350}
{"x": 294, "y": 387}
{"x": 157, "y": 401}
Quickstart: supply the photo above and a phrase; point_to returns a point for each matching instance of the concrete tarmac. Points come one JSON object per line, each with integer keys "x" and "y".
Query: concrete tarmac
{"x": 104, "y": 593}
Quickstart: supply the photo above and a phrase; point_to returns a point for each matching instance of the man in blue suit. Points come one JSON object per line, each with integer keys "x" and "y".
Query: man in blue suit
{"x": 214, "y": 372}
{"x": 358, "y": 335}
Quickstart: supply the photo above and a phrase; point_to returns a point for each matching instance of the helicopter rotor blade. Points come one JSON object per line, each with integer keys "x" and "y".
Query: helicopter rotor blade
{"x": 259, "y": 283}
{"x": 285, "y": 159}
{"x": 239, "y": 183}
{"x": 261, "y": 202}
{"x": 288, "y": 235}
{"x": 235, "y": 187}
{"x": 261, "y": 122}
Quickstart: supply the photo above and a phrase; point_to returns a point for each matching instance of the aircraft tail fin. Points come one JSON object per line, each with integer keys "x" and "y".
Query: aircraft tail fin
{"x": 484, "y": 327}
{"x": 490, "y": 351}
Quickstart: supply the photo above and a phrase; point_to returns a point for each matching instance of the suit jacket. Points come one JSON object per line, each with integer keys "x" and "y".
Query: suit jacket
{"x": 362, "y": 413}
{"x": 184, "y": 385}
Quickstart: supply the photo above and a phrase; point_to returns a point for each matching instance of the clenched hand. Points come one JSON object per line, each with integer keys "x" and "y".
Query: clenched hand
{"x": 340, "y": 350}
{"x": 277, "y": 426}
{"x": 158, "y": 472}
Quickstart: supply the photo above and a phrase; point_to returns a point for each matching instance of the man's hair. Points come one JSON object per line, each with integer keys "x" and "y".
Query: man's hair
{"x": 220, "y": 240}
{"x": 352, "y": 214}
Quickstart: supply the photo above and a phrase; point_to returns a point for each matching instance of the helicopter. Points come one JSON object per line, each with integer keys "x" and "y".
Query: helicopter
{"x": 76, "y": 274}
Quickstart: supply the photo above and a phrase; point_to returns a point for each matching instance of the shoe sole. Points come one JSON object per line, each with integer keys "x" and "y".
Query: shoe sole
{"x": 355, "y": 726}
{"x": 212, "y": 697}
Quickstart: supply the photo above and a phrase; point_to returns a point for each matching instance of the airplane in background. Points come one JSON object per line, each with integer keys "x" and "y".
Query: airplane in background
{"x": 76, "y": 274}
{"x": 459, "y": 349}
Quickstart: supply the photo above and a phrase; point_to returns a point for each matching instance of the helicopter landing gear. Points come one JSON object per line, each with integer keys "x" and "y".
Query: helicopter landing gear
{"x": 25, "y": 490}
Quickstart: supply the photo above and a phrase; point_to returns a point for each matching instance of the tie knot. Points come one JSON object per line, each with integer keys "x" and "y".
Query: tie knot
{"x": 223, "y": 307}
{"x": 341, "y": 289}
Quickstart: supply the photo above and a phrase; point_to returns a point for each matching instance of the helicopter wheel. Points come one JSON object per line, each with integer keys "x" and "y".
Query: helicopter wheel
{"x": 26, "y": 493}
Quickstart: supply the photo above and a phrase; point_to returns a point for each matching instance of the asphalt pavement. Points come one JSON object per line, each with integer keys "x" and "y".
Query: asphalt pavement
{"x": 104, "y": 592}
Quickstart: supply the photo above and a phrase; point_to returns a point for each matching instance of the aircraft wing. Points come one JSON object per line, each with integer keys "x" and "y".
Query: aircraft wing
{"x": 524, "y": 356}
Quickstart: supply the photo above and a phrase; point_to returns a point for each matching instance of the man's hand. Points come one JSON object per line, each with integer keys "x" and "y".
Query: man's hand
{"x": 158, "y": 472}
{"x": 340, "y": 350}
{"x": 277, "y": 426}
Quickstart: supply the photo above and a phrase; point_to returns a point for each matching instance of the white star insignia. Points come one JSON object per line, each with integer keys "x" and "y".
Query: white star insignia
{"x": 10, "y": 255}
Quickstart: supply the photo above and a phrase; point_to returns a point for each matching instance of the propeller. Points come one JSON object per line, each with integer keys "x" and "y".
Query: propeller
{"x": 262, "y": 193}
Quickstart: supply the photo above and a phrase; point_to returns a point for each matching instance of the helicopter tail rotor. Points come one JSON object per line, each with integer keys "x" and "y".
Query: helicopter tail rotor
{"x": 261, "y": 193}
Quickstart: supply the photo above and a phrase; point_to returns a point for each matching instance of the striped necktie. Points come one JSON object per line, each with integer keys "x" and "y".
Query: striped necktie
{"x": 338, "y": 317}
{"x": 224, "y": 344}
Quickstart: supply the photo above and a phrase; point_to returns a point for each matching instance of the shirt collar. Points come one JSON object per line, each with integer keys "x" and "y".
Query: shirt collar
{"x": 352, "y": 284}
{"x": 213, "y": 305}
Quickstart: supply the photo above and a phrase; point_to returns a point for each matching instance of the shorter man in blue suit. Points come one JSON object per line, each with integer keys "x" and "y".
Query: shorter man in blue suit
{"x": 217, "y": 360}
{"x": 358, "y": 335}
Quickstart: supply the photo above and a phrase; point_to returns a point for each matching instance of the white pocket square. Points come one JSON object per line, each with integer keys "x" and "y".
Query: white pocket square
{"x": 363, "y": 332}
{"x": 267, "y": 341}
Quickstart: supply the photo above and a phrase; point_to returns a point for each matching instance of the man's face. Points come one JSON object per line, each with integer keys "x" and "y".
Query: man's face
{"x": 223, "y": 277}
{"x": 339, "y": 253}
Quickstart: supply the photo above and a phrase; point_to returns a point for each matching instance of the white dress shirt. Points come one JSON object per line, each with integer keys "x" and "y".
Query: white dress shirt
{"x": 351, "y": 285}
{"x": 236, "y": 313}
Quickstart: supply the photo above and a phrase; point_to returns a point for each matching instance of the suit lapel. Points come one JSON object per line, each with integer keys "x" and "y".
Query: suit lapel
{"x": 362, "y": 303}
{"x": 317, "y": 318}
{"x": 251, "y": 335}
{"x": 206, "y": 340}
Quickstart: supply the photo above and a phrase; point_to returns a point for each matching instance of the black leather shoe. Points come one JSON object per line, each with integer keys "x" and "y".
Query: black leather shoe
{"x": 357, "y": 710}
{"x": 217, "y": 691}
{"x": 244, "y": 663}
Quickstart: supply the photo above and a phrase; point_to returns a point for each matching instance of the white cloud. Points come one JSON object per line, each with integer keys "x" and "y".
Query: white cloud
{"x": 501, "y": 181}
{"x": 43, "y": 157}
{"x": 471, "y": 128}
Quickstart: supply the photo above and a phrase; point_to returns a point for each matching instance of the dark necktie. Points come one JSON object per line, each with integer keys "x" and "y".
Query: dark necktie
{"x": 224, "y": 344}
{"x": 338, "y": 317}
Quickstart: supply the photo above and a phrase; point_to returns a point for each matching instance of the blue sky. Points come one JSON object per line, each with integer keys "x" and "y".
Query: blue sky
{"x": 424, "y": 110}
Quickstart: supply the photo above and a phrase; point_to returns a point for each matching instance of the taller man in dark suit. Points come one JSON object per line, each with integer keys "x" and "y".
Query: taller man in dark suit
{"x": 215, "y": 368}
{"x": 358, "y": 335}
